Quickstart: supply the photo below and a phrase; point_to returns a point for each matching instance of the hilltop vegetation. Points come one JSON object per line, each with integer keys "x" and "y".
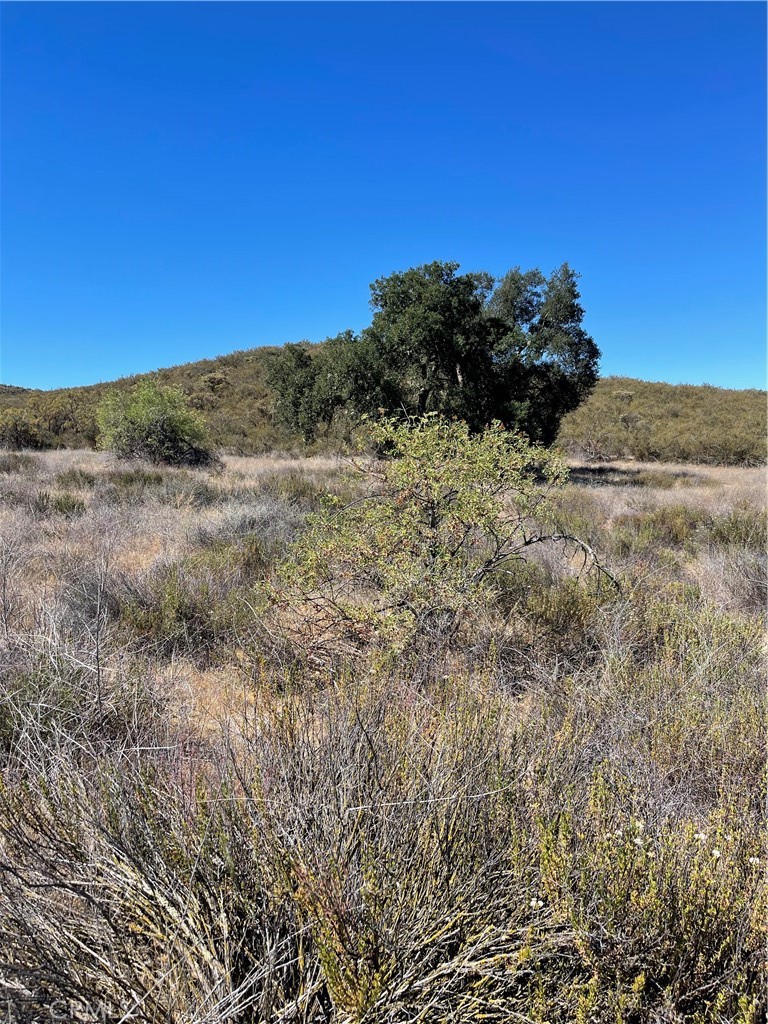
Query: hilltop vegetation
{"x": 230, "y": 391}
{"x": 669, "y": 423}
{"x": 622, "y": 417}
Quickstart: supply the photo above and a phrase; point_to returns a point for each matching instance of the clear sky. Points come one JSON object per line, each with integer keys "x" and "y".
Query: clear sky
{"x": 182, "y": 180}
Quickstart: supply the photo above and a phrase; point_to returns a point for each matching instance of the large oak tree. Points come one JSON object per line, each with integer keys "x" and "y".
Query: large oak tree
{"x": 464, "y": 345}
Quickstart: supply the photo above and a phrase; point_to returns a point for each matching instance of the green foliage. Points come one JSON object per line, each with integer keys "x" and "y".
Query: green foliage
{"x": 312, "y": 382}
{"x": 293, "y": 378}
{"x": 445, "y": 514}
{"x": 45, "y": 419}
{"x": 154, "y": 423}
{"x": 669, "y": 423}
{"x": 246, "y": 414}
{"x": 449, "y": 343}
{"x": 18, "y": 430}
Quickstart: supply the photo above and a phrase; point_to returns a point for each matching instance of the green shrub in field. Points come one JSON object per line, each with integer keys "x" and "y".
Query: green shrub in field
{"x": 154, "y": 423}
{"x": 80, "y": 479}
{"x": 196, "y": 605}
{"x": 186, "y": 490}
{"x": 178, "y": 612}
{"x": 687, "y": 527}
{"x": 127, "y": 479}
{"x": 673, "y": 526}
{"x": 741, "y": 526}
{"x": 577, "y": 511}
{"x": 446, "y": 515}
{"x": 128, "y": 486}
{"x": 65, "y": 504}
{"x": 566, "y": 610}
{"x": 672, "y": 906}
{"x": 294, "y": 487}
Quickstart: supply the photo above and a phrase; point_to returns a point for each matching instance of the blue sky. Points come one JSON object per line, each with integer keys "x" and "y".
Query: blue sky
{"x": 182, "y": 180}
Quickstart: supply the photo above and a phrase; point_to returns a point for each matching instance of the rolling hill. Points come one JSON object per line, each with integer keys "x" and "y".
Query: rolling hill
{"x": 624, "y": 418}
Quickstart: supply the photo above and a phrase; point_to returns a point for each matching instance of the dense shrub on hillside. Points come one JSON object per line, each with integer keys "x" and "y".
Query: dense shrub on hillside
{"x": 46, "y": 419}
{"x": 670, "y": 423}
{"x": 153, "y": 423}
{"x": 19, "y": 430}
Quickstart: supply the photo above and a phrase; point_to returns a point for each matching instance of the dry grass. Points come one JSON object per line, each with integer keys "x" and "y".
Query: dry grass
{"x": 708, "y": 487}
{"x": 558, "y": 816}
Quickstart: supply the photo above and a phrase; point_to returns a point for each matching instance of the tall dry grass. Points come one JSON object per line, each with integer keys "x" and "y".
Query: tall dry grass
{"x": 557, "y": 816}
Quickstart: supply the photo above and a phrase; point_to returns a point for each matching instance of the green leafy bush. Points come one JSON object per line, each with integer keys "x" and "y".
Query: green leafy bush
{"x": 154, "y": 423}
{"x": 446, "y": 514}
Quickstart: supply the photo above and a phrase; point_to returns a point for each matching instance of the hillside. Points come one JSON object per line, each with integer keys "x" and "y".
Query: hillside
{"x": 230, "y": 391}
{"x": 669, "y": 423}
{"x": 623, "y": 417}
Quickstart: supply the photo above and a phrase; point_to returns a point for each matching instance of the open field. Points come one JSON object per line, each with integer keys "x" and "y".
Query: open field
{"x": 555, "y": 814}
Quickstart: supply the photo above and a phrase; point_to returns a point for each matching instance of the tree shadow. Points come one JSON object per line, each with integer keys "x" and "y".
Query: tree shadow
{"x": 606, "y": 476}
{"x": 613, "y": 476}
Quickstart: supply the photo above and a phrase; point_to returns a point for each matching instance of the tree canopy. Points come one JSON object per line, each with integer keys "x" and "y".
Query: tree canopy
{"x": 464, "y": 345}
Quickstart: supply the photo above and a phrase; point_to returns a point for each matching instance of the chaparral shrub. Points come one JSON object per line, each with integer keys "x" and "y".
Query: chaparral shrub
{"x": 154, "y": 423}
{"x": 446, "y": 514}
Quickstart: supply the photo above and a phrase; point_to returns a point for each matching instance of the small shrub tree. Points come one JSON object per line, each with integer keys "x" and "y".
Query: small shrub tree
{"x": 446, "y": 515}
{"x": 155, "y": 423}
{"x": 18, "y": 430}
